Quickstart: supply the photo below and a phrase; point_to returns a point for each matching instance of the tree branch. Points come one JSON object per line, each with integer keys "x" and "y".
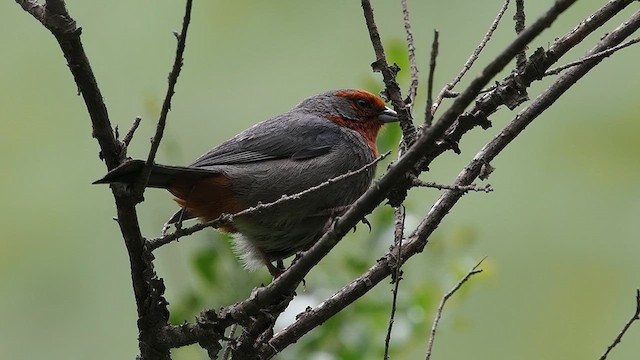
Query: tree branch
{"x": 428, "y": 115}
{"x": 512, "y": 92}
{"x": 419, "y": 183}
{"x": 511, "y": 131}
{"x": 257, "y": 313}
{"x": 416, "y": 242}
{"x": 166, "y": 105}
{"x": 474, "y": 270}
{"x": 601, "y": 54}
{"x": 618, "y": 339}
{"x": 446, "y": 90}
{"x": 519, "y": 17}
{"x": 413, "y": 87}
{"x": 129, "y": 135}
{"x": 35, "y": 9}
{"x": 376, "y": 194}
{"x": 399, "y": 226}
{"x": 148, "y": 289}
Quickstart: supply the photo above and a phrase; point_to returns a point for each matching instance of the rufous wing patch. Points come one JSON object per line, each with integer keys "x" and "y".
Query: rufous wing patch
{"x": 207, "y": 198}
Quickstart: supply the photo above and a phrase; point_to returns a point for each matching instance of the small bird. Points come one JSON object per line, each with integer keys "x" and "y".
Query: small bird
{"x": 325, "y": 136}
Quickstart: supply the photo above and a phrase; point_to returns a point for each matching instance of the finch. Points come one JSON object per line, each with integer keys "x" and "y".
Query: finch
{"x": 323, "y": 137}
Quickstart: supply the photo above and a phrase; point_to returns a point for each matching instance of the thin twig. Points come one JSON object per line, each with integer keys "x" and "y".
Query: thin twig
{"x": 511, "y": 91}
{"x": 229, "y": 218}
{"x": 129, "y": 135}
{"x": 568, "y": 79}
{"x": 428, "y": 115}
{"x": 474, "y": 270}
{"x": 474, "y": 56}
{"x": 413, "y": 87}
{"x": 601, "y": 54}
{"x": 166, "y": 105}
{"x": 487, "y": 188}
{"x": 618, "y": 339}
{"x": 519, "y": 17}
{"x": 399, "y": 217}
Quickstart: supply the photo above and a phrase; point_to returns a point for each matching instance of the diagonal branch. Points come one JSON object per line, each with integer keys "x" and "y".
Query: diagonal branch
{"x": 148, "y": 289}
{"x": 601, "y": 54}
{"x": 399, "y": 215}
{"x": 166, "y": 105}
{"x": 512, "y": 92}
{"x": 383, "y": 268}
{"x": 156, "y": 337}
{"x": 428, "y": 115}
{"x": 35, "y": 9}
{"x": 519, "y": 17}
{"x": 413, "y": 87}
{"x": 515, "y": 127}
{"x": 289, "y": 280}
{"x": 635, "y": 317}
{"x": 376, "y": 194}
{"x": 446, "y": 91}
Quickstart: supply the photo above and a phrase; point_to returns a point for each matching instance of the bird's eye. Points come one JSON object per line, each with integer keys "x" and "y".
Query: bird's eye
{"x": 363, "y": 103}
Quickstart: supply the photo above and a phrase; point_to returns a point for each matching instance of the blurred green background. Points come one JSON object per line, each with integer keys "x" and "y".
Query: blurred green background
{"x": 560, "y": 230}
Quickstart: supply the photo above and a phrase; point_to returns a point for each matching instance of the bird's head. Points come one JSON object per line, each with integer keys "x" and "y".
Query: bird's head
{"x": 358, "y": 110}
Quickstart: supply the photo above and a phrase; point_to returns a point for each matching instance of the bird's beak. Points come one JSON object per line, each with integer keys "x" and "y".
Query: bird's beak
{"x": 388, "y": 115}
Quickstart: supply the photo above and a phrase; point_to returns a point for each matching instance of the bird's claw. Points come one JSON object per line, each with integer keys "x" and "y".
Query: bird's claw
{"x": 366, "y": 222}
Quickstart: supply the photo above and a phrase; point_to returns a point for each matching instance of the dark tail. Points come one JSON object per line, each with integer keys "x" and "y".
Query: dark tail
{"x": 162, "y": 176}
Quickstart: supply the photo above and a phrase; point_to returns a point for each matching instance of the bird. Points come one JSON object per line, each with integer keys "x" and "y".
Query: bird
{"x": 321, "y": 138}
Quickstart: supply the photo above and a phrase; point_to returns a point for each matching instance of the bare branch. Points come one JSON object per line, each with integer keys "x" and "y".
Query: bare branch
{"x": 399, "y": 216}
{"x": 474, "y": 270}
{"x": 129, "y": 135}
{"x": 474, "y": 56}
{"x": 519, "y": 17}
{"x": 515, "y": 127}
{"x": 376, "y": 194}
{"x": 147, "y": 287}
{"x": 166, "y": 105}
{"x": 418, "y": 239}
{"x": 601, "y": 54}
{"x": 34, "y": 8}
{"x": 257, "y": 312}
{"x": 487, "y": 188}
{"x": 512, "y": 92}
{"x": 428, "y": 115}
{"x": 618, "y": 339}
{"x": 413, "y": 87}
